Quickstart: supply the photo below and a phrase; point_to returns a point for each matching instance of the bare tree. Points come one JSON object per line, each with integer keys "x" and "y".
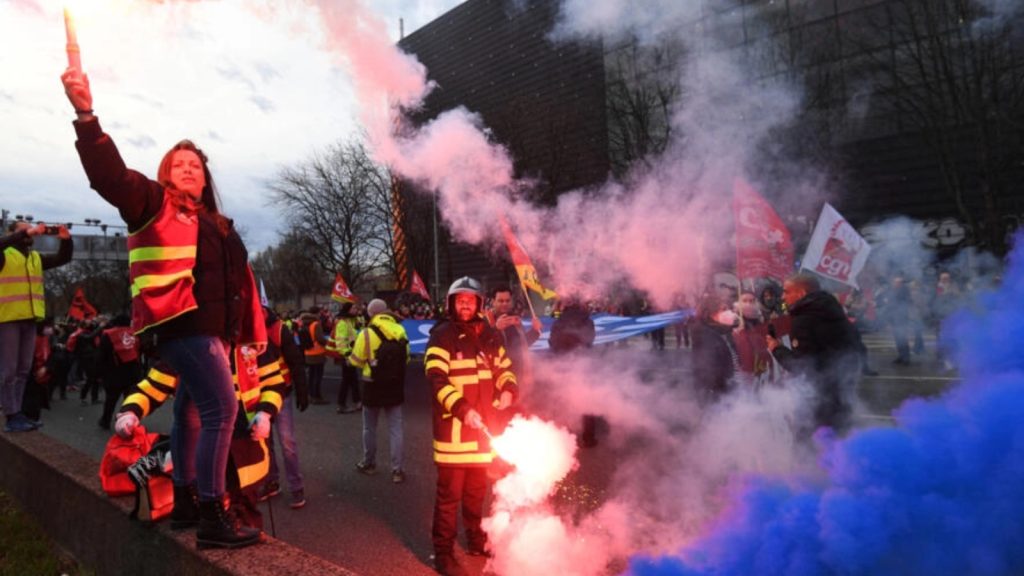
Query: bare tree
{"x": 955, "y": 75}
{"x": 104, "y": 282}
{"x": 339, "y": 201}
{"x": 288, "y": 270}
{"x": 642, "y": 87}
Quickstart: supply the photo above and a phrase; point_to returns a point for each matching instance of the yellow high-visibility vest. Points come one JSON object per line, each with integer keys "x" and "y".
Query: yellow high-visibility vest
{"x": 21, "y": 287}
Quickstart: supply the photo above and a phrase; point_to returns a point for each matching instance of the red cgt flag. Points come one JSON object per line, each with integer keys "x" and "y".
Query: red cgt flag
{"x": 418, "y": 287}
{"x": 341, "y": 293}
{"x": 80, "y": 308}
{"x": 764, "y": 247}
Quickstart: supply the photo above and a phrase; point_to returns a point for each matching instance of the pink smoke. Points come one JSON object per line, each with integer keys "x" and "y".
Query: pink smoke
{"x": 644, "y": 230}
{"x": 383, "y": 75}
{"x": 675, "y": 463}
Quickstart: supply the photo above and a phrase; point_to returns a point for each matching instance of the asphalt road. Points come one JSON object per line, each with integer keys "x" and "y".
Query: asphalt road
{"x": 372, "y": 526}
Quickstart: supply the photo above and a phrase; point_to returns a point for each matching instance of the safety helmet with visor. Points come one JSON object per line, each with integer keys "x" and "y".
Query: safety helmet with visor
{"x": 465, "y": 285}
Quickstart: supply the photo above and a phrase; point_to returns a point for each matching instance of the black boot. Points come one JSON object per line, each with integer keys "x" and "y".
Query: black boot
{"x": 446, "y": 565}
{"x": 218, "y": 528}
{"x": 185, "y": 513}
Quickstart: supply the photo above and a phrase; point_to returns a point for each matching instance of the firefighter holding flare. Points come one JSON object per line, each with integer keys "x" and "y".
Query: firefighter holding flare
{"x": 471, "y": 378}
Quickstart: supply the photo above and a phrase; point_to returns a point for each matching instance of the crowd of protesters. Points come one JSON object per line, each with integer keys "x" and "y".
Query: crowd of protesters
{"x": 738, "y": 338}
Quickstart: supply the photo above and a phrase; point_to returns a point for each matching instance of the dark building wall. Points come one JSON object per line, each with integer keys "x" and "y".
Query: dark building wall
{"x": 548, "y": 103}
{"x": 905, "y": 123}
{"x": 544, "y": 101}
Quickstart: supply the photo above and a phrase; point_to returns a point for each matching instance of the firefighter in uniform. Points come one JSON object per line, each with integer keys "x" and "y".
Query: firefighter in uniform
{"x": 471, "y": 376}
{"x": 260, "y": 389}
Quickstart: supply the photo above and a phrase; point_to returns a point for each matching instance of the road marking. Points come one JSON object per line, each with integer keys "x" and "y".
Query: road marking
{"x": 915, "y": 378}
{"x": 875, "y": 417}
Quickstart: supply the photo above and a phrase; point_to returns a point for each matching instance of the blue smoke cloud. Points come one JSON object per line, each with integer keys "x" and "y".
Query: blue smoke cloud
{"x": 940, "y": 493}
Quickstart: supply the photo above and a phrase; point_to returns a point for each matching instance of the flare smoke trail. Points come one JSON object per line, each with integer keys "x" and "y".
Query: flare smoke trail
{"x": 642, "y": 230}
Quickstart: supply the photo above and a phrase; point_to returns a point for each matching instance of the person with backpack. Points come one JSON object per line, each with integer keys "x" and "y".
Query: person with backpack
{"x": 381, "y": 350}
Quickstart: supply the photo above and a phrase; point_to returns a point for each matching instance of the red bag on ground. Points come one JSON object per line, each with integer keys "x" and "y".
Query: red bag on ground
{"x": 119, "y": 455}
{"x": 154, "y": 495}
{"x": 154, "y": 500}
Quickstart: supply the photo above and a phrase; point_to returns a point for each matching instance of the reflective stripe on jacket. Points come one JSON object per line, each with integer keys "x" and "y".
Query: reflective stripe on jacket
{"x": 161, "y": 256}
{"x": 340, "y": 343}
{"x": 258, "y": 381}
{"x": 260, "y": 388}
{"x": 364, "y": 350}
{"x": 467, "y": 367}
{"x": 317, "y": 351}
{"x": 21, "y": 287}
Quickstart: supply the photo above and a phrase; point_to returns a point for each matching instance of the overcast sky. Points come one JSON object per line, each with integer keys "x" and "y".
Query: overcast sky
{"x": 248, "y": 81}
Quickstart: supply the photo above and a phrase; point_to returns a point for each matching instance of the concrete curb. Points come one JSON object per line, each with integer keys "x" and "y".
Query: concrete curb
{"x": 61, "y": 489}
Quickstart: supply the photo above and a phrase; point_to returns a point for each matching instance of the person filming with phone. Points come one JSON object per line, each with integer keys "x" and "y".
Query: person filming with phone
{"x": 22, "y": 305}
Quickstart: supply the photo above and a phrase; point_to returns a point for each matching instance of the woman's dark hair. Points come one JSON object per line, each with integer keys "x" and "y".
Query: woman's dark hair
{"x": 210, "y": 198}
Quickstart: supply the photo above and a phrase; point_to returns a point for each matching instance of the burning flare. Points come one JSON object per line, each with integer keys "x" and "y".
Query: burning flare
{"x": 542, "y": 454}
{"x": 525, "y": 534}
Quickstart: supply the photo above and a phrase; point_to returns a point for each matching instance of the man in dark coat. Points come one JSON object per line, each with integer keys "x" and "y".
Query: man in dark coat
{"x": 715, "y": 360}
{"x": 574, "y": 330}
{"x": 825, "y": 348}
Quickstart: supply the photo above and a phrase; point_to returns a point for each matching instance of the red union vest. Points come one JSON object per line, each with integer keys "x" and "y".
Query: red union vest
{"x": 161, "y": 256}
{"x": 126, "y": 345}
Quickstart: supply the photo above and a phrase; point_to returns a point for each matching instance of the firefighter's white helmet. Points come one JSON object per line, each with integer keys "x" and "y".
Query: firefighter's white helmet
{"x": 465, "y": 285}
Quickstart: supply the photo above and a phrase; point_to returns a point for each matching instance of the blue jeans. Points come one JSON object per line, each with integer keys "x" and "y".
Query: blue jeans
{"x": 370, "y": 416}
{"x": 205, "y": 408}
{"x": 284, "y": 430}
{"x": 17, "y": 344}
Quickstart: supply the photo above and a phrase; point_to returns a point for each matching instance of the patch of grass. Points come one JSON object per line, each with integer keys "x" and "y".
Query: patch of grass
{"x": 26, "y": 550}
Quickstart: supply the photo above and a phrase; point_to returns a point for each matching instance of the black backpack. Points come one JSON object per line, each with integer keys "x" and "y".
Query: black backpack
{"x": 387, "y": 373}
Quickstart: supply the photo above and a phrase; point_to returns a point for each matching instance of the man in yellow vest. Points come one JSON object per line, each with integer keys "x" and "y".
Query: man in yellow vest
{"x": 22, "y": 304}
{"x": 381, "y": 351}
{"x": 339, "y": 347}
